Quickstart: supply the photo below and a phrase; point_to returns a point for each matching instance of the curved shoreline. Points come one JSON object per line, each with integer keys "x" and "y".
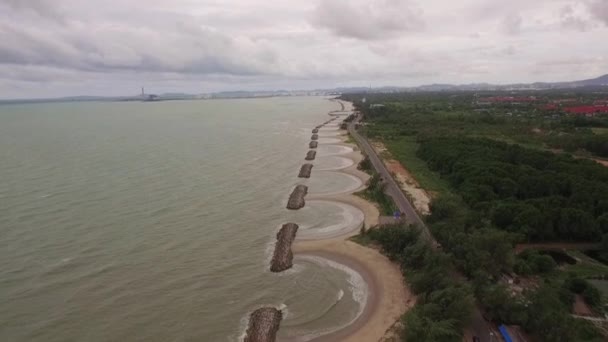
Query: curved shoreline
{"x": 387, "y": 294}
{"x": 352, "y": 220}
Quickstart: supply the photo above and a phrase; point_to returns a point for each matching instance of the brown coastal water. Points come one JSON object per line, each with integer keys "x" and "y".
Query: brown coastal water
{"x": 155, "y": 221}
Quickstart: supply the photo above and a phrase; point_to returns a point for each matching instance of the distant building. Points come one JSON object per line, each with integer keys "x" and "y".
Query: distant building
{"x": 549, "y": 107}
{"x": 587, "y": 110}
{"x": 505, "y": 99}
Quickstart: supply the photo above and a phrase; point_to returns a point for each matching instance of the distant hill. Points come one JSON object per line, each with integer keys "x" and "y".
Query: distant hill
{"x": 594, "y": 82}
{"x": 601, "y": 81}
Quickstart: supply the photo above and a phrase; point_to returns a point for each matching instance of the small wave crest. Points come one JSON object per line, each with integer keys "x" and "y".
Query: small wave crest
{"x": 358, "y": 289}
{"x": 351, "y": 219}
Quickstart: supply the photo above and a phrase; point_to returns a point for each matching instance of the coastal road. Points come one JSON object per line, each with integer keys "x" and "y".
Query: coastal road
{"x": 479, "y": 326}
{"x": 392, "y": 188}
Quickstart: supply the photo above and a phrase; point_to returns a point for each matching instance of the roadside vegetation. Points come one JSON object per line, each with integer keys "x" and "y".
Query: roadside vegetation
{"x": 497, "y": 181}
{"x": 444, "y": 304}
{"x": 375, "y": 189}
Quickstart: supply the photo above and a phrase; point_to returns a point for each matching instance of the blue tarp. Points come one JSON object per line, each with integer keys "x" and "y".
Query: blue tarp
{"x": 505, "y": 333}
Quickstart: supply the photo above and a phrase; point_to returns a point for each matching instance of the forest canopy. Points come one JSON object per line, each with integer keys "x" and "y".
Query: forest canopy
{"x": 539, "y": 195}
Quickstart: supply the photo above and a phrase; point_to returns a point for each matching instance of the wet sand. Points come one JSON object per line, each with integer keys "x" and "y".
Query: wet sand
{"x": 388, "y": 296}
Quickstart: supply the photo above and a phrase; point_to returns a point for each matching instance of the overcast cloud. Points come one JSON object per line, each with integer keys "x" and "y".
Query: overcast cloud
{"x": 112, "y": 47}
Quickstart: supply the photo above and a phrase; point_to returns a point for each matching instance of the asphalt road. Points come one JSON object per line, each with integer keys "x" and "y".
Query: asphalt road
{"x": 479, "y": 326}
{"x": 392, "y": 188}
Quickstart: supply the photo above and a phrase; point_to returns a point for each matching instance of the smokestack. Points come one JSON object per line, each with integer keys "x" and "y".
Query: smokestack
{"x": 142, "y": 91}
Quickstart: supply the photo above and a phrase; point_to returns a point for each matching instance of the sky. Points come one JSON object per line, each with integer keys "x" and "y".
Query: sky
{"x": 52, "y": 48}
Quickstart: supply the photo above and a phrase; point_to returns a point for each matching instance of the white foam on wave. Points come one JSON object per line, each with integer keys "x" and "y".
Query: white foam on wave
{"x": 293, "y": 270}
{"x": 269, "y": 249}
{"x": 352, "y": 218}
{"x": 269, "y": 252}
{"x": 344, "y": 163}
{"x": 358, "y": 286}
{"x": 358, "y": 289}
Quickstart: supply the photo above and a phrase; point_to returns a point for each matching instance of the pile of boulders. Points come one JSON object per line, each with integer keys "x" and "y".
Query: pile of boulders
{"x": 263, "y": 325}
{"x": 296, "y": 199}
{"x": 305, "y": 171}
{"x": 282, "y": 259}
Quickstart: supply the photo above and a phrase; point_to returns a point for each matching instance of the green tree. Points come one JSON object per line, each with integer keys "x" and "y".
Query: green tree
{"x": 421, "y": 325}
{"x": 548, "y": 317}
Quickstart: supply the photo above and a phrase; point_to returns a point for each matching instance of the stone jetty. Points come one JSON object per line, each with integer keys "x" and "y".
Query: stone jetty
{"x": 313, "y": 144}
{"x": 314, "y": 137}
{"x": 311, "y": 155}
{"x": 315, "y": 131}
{"x": 282, "y": 258}
{"x": 296, "y": 199}
{"x": 305, "y": 171}
{"x": 263, "y": 325}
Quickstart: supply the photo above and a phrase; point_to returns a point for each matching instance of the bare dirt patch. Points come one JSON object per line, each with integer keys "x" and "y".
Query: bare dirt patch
{"x": 418, "y": 196}
{"x": 579, "y": 307}
{"x": 603, "y": 162}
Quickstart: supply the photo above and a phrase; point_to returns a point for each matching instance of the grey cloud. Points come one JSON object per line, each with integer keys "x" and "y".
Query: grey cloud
{"x": 189, "y": 49}
{"x": 206, "y": 45}
{"x": 599, "y": 10}
{"x": 512, "y": 24}
{"x": 42, "y": 8}
{"x": 571, "y": 19}
{"x": 368, "y": 20}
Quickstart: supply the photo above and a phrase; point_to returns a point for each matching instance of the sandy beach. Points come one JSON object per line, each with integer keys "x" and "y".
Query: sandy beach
{"x": 388, "y": 296}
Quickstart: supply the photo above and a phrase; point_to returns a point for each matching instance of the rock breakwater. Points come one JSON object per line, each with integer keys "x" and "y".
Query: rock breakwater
{"x": 263, "y": 325}
{"x": 296, "y": 199}
{"x": 305, "y": 171}
{"x": 282, "y": 259}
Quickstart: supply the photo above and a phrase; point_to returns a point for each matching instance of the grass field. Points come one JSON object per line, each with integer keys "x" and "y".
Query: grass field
{"x": 404, "y": 150}
{"x": 598, "y": 130}
{"x": 587, "y": 267}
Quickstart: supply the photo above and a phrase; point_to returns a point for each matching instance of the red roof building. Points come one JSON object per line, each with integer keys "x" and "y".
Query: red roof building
{"x": 549, "y": 107}
{"x": 587, "y": 110}
{"x": 507, "y": 99}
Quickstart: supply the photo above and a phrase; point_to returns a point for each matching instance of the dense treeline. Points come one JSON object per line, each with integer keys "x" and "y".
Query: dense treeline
{"x": 444, "y": 304}
{"x": 482, "y": 248}
{"x": 492, "y": 195}
{"x": 456, "y": 113}
{"x": 539, "y": 195}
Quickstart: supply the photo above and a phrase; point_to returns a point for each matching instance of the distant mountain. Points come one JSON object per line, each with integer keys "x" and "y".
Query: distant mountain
{"x": 601, "y": 81}
{"x": 594, "y": 82}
